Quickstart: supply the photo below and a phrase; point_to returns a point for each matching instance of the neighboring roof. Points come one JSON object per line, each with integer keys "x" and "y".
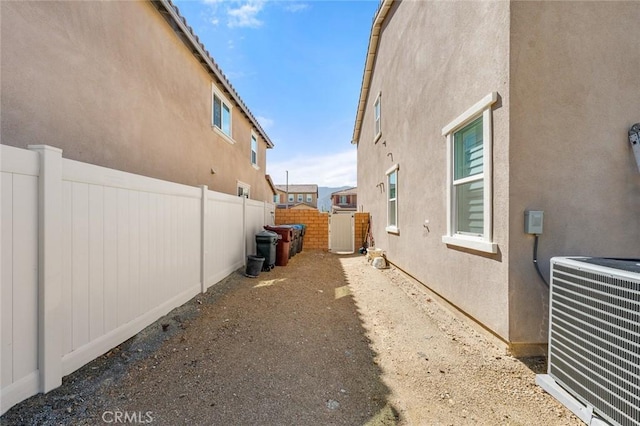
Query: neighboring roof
{"x": 296, "y": 206}
{"x": 186, "y": 34}
{"x": 348, "y": 191}
{"x": 343, "y": 209}
{"x": 372, "y": 50}
{"x": 302, "y": 206}
{"x": 298, "y": 188}
{"x": 271, "y": 185}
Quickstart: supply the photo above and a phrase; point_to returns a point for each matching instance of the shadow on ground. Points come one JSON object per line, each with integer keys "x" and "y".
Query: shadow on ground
{"x": 287, "y": 347}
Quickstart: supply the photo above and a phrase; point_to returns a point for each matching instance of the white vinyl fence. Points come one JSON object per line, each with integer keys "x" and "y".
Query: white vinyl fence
{"x": 91, "y": 256}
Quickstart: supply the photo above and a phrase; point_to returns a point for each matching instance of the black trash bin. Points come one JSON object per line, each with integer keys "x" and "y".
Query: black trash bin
{"x": 266, "y": 242}
{"x": 254, "y": 265}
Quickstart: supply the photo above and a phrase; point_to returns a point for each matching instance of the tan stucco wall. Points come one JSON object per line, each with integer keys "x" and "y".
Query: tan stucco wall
{"x": 436, "y": 60}
{"x": 575, "y": 93}
{"x": 566, "y": 74}
{"x": 111, "y": 84}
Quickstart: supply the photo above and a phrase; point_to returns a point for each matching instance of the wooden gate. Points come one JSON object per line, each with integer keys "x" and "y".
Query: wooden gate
{"x": 341, "y": 232}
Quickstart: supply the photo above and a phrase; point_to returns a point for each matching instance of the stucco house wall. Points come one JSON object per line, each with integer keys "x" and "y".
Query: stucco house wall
{"x": 112, "y": 84}
{"x": 574, "y": 96}
{"x": 565, "y": 78}
{"x": 427, "y": 76}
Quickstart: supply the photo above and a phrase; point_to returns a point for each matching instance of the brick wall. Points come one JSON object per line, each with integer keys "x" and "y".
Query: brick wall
{"x": 361, "y": 222}
{"x": 317, "y": 234}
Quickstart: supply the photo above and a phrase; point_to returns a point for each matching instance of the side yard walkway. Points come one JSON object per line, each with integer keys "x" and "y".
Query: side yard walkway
{"x": 441, "y": 370}
{"x": 325, "y": 340}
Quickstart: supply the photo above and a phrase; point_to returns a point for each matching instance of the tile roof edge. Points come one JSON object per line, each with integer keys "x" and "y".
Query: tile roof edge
{"x": 211, "y": 63}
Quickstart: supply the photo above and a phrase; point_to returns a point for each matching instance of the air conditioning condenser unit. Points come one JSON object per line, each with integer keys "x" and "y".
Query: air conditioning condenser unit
{"x": 594, "y": 339}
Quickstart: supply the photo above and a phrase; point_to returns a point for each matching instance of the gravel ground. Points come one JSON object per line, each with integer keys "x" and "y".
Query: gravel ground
{"x": 325, "y": 340}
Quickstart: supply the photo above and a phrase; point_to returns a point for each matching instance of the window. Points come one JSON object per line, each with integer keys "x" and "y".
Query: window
{"x": 343, "y": 199}
{"x": 291, "y": 198}
{"x": 276, "y": 198}
{"x": 377, "y": 129}
{"x": 309, "y": 198}
{"x": 221, "y": 113}
{"x": 243, "y": 189}
{"x": 254, "y": 149}
{"x": 469, "y": 140}
{"x": 299, "y": 198}
{"x": 392, "y": 200}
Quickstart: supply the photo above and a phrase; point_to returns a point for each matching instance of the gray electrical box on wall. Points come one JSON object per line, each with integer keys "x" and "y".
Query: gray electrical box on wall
{"x": 533, "y": 221}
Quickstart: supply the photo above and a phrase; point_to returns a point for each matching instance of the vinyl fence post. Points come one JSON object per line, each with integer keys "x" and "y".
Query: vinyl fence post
{"x": 203, "y": 239}
{"x": 49, "y": 266}
{"x": 244, "y": 229}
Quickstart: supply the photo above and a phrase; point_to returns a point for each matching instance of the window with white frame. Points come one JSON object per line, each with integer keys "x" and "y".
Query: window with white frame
{"x": 254, "y": 149}
{"x": 343, "y": 199}
{"x": 309, "y": 198}
{"x": 392, "y": 199}
{"x": 290, "y": 198}
{"x": 469, "y": 177}
{"x": 276, "y": 198}
{"x": 244, "y": 189}
{"x": 221, "y": 112}
{"x": 377, "y": 129}
{"x": 299, "y": 198}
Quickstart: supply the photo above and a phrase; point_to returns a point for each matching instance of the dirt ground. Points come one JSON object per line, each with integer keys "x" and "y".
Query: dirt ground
{"x": 325, "y": 340}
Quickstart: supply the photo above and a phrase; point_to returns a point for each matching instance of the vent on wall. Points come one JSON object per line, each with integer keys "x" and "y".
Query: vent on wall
{"x": 594, "y": 339}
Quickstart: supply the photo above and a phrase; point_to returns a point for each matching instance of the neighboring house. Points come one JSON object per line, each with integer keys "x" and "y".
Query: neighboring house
{"x": 127, "y": 85}
{"x": 345, "y": 200}
{"x": 291, "y": 195}
{"x": 471, "y": 114}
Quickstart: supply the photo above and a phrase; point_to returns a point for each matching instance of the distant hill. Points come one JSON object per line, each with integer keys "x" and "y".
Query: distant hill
{"x": 324, "y": 196}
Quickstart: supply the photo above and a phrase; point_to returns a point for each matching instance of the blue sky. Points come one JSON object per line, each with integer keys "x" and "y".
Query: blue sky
{"x": 298, "y": 67}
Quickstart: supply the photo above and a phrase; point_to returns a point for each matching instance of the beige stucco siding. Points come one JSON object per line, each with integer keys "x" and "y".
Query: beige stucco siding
{"x": 111, "y": 84}
{"x": 574, "y": 95}
{"x": 566, "y": 76}
{"x": 435, "y": 60}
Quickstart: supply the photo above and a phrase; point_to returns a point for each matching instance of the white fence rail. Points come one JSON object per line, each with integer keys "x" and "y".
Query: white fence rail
{"x": 91, "y": 256}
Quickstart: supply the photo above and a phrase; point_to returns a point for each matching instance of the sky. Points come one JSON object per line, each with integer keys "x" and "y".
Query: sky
{"x": 298, "y": 66}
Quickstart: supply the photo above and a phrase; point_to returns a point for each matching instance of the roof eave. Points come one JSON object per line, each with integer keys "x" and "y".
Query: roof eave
{"x": 372, "y": 51}
{"x": 271, "y": 185}
{"x": 204, "y": 57}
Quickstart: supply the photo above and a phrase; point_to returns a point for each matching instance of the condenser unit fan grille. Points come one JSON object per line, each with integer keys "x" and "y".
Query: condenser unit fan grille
{"x": 594, "y": 342}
